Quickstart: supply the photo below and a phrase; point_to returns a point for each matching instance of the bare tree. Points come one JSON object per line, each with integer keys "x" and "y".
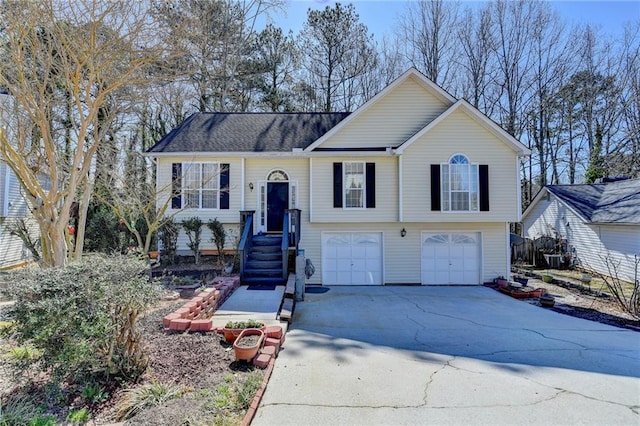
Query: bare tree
{"x": 477, "y": 44}
{"x": 59, "y": 61}
{"x": 429, "y": 31}
{"x": 514, "y": 21}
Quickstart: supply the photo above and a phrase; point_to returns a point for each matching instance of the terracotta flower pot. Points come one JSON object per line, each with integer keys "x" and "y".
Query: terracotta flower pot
{"x": 502, "y": 282}
{"x": 248, "y": 344}
{"x": 231, "y": 334}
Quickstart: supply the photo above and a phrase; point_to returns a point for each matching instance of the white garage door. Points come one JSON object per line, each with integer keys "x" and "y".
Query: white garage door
{"x": 450, "y": 258}
{"x": 352, "y": 258}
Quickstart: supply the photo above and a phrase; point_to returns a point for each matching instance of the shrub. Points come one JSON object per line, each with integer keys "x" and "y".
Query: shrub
{"x": 82, "y": 317}
{"x": 168, "y": 235}
{"x": 149, "y": 395}
{"x": 80, "y": 416}
{"x": 102, "y": 233}
{"x": 23, "y": 410}
{"x": 219, "y": 237}
{"x": 193, "y": 228}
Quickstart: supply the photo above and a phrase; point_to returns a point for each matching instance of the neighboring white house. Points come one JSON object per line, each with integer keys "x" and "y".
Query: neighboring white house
{"x": 413, "y": 187}
{"x": 600, "y": 221}
{"x": 13, "y": 205}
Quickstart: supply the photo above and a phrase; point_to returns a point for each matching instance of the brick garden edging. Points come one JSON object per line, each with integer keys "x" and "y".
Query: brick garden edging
{"x": 195, "y": 314}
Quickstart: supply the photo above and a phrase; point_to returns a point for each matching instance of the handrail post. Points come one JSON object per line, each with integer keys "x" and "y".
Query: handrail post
{"x": 246, "y": 239}
{"x": 284, "y": 246}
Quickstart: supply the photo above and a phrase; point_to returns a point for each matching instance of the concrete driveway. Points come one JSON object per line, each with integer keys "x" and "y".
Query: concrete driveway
{"x": 448, "y": 355}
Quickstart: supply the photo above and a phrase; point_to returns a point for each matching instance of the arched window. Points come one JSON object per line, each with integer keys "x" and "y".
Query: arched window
{"x": 459, "y": 184}
{"x": 277, "y": 175}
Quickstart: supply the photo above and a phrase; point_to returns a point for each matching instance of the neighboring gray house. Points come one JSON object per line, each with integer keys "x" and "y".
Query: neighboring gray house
{"x": 600, "y": 221}
{"x": 13, "y": 205}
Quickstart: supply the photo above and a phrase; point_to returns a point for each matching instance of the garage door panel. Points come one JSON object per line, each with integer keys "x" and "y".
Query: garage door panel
{"x": 450, "y": 258}
{"x": 357, "y": 258}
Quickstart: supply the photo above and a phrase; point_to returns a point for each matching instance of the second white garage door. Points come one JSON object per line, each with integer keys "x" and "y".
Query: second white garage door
{"x": 352, "y": 258}
{"x": 450, "y": 258}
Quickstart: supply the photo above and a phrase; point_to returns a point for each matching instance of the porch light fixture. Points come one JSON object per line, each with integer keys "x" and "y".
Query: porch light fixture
{"x": 403, "y": 233}
{"x": 251, "y": 186}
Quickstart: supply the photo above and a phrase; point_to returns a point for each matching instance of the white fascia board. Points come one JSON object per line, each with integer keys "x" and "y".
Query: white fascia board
{"x": 229, "y": 154}
{"x": 357, "y": 154}
{"x": 433, "y": 88}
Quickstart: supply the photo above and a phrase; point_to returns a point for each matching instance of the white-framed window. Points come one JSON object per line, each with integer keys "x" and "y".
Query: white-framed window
{"x": 201, "y": 185}
{"x": 354, "y": 185}
{"x": 459, "y": 184}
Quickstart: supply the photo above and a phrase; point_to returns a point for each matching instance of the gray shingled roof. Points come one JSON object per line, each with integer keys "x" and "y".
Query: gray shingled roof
{"x": 247, "y": 132}
{"x": 613, "y": 202}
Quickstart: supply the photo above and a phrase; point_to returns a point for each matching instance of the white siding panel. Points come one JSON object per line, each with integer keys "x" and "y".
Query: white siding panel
{"x": 386, "y": 209}
{"x": 459, "y": 134}
{"x": 12, "y": 250}
{"x": 392, "y": 120}
{"x": 622, "y": 246}
{"x": 402, "y": 255}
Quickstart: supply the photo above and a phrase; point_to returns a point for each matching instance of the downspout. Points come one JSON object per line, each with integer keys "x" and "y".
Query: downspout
{"x": 400, "y": 190}
{"x": 310, "y": 190}
{"x": 242, "y": 184}
{"x": 7, "y": 188}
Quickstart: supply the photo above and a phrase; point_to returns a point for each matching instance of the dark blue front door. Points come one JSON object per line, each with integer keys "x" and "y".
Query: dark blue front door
{"x": 277, "y": 202}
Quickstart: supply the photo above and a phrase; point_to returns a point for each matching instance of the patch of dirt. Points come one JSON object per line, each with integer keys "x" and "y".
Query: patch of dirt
{"x": 583, "y": 302}
{"x": 178, "y": 357}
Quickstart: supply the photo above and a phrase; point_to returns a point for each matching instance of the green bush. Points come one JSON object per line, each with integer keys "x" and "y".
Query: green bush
{"x": 82, "y": 318}
{"x": 168, "y": 234}
{"x": 193, "y": 228}
{"x": 102, "y": 233}
{"x": 219, "y": 237}
{"x": 23, "y": 410}
{"x": 145, "y": 396}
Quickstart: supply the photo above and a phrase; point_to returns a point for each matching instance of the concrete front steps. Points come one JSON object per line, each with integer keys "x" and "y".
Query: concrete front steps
{"x": 264, "y": 264}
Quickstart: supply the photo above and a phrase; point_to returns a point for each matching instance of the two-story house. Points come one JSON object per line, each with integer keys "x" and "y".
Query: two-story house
{"x": 414, "y": 187}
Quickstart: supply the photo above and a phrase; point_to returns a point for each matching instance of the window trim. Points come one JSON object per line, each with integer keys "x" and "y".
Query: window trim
{"x": 200, "y": 189}
{"x": 472, "y": 181}
{"x": 363, "y": 189}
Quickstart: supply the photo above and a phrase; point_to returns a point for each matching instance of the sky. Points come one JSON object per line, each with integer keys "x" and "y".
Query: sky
{"x": 380, "y": 16}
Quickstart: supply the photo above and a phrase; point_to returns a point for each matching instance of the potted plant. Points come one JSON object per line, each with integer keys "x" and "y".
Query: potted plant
{"x": 232, "y": 329}
{"x": 521, "y": 280}
{"x": 547, "y": 300}
{"x": 248, "y": 343}
{"x": 501, "y": 282}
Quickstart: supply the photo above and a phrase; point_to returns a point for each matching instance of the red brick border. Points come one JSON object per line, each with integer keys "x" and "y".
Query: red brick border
{"x": 255, "y": 403}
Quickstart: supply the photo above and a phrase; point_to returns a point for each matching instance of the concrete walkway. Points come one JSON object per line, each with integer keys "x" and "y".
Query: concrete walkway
{"x": 448, "y": 355}
{"x": 245, "y": 304}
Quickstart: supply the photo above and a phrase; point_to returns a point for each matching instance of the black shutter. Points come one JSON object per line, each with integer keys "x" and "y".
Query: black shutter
{"x": 224, "y": 186}
{"x": 337, "y": 184}
{"x": 176, "y": 185}
{"x": 483, "y": 178}
{"x": 435, "y": 187}
{"x": 371, "y": 185}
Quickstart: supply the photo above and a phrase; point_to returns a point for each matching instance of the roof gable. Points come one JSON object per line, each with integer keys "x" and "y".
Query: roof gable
{"x": 476, "y": 116}
{"x": 434, "y": 90}
{"x": 615, "y": 202}
{"x": 246, "y": 132}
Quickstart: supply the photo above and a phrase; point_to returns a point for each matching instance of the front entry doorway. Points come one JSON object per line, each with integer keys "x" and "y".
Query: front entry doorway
{"x": 277, "y": 203}
{"x": 277, "y": 193}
